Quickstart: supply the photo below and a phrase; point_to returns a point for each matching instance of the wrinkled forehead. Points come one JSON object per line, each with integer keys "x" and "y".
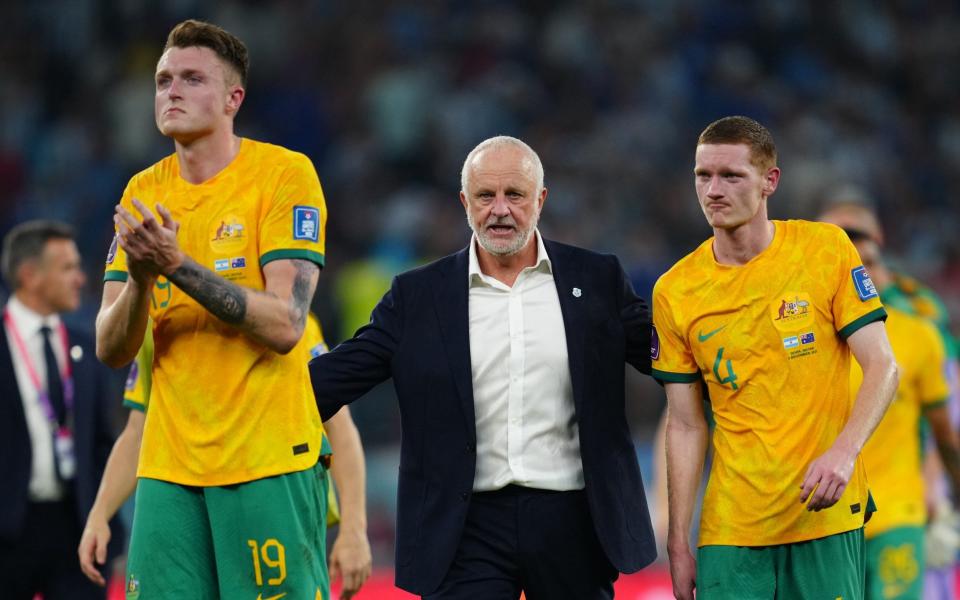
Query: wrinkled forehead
{"x": 500, "y": 163}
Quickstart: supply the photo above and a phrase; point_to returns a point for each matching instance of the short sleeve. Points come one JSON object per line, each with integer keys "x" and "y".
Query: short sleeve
{"x": 856, "y": 302}
{"x": 671, "y": 356}
{"x": 136, "y": 393}
{"x": 295, "y": 222}
{"x": 932, "y": 385}
{"x": 115, "y": 268}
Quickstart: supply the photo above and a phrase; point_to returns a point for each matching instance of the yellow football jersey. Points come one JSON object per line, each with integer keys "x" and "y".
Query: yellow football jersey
{"x": 768, "y": 339}
{"x": 226, "y": 409}
{"x": 892, "y": 456}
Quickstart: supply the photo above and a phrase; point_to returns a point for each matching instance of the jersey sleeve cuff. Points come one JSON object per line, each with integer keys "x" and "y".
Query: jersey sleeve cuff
{"x": 668, "y": 377}
{"x": 134, "y": 405}
{"x": 878, "y": 314}
{"x": 302, "y": 253}
{"x": 936, "y": 403}
{"x": 115, "y": 276}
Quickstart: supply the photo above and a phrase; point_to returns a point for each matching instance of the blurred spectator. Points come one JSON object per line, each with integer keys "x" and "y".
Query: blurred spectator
{"x": 55, "y": 418}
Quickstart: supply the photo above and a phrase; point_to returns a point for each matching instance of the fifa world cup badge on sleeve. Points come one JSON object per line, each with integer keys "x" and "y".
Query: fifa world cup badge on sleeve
{"x": 654, "y": 344}
{"x": 865, "y": 287}
{"x": 306, "y": 223}
{"x": 112, "y": 252}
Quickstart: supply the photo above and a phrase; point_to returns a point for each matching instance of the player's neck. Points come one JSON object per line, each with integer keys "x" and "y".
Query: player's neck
{"x": 739, "y": 245}
{"x": 507, "y": 268}
{"x": 204, "y": 157}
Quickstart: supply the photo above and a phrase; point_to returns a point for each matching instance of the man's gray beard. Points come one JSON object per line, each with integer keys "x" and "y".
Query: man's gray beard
{"x": 517, "y": 245}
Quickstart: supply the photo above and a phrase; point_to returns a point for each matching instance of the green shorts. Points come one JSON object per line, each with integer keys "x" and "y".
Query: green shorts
{"x": 830, "y": 568}
{"x": 252, "y": 541}
{"x": 895, "y": 565}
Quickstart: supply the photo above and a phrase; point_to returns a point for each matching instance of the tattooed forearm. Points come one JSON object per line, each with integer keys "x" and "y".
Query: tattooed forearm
{"x": 303, "y": 286}
{"x": 227, "y": 301}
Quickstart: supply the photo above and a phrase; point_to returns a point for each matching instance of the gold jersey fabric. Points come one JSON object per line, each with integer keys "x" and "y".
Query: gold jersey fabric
{"x": 892, "y": 456}
{"x": 225, "y": 409}
{"x": 768, "y": 339}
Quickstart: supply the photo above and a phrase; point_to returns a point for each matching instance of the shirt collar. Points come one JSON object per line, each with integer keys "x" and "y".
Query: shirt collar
{"x": 543, "y": 259}
{"x": 27, "y": 321}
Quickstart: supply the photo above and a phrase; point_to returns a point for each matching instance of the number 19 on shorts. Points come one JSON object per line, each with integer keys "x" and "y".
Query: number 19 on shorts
{"x": 273, "y": 558}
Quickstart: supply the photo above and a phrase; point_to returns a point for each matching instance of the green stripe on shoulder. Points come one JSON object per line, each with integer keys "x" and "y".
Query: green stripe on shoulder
{"x": 115, "y": 276}
{"x": 133, "y": 404}
{"x": 878, "y": 314}
{"x": 305, "y": 254}
{"x": 675, "y": 377}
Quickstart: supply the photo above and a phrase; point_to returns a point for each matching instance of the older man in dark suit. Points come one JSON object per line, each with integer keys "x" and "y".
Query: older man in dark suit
{"x": 517, "y": 471}
{"x": 55, "y": 418}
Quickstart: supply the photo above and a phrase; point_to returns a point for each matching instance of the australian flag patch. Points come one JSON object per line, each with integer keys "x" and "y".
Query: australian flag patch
{"x": 306, "y": 223}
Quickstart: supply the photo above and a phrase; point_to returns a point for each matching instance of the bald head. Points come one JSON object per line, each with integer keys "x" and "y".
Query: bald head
{"x": 854, "y": 216}
{"x": 530, "y": 162}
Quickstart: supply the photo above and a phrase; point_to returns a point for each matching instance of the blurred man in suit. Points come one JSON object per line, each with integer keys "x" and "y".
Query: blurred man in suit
{"x": 55, "y": 418}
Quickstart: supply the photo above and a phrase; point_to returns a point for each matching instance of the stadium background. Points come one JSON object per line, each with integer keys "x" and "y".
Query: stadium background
{"x": 387, "y": 98}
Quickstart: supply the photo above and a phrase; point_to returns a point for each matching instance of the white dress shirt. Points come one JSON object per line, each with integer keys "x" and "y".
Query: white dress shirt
{"x": 527, "y": 431}
{"x": 44, "y": 485}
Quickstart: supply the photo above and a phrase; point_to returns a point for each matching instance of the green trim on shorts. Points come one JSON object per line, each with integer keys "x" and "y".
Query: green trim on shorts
{"x": 895, "y": 564}
{"x": 828, "y": 567}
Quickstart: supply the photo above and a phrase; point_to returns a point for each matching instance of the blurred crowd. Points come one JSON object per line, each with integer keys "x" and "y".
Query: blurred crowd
{"x": 387, "y": 98}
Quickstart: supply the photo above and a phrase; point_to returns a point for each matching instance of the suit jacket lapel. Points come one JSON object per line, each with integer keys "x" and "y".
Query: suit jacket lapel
{"x": 8, "y": 377}
{"x": 454, "y": 318}
{"x": 567, "y": 276}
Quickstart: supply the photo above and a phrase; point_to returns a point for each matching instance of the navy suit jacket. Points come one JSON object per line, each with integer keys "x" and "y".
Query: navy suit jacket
{"x": 418, "y": 335}
{"x": 93, "y": 431}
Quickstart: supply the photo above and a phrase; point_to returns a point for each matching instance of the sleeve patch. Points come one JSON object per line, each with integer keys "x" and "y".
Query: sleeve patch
{"x": 112, "y": 252}
{"x": 654, "y": 344}
{"x": 132, "y": 377}
{"x": 306, "y": 223}
{"x": 865, "y": 288}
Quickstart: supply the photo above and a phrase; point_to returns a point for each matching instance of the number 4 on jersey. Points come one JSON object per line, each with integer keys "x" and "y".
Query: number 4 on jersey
{"x": 731, "y": 377}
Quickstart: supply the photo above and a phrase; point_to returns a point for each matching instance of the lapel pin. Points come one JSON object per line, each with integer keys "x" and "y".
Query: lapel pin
{"x": 576, "y": 292}
{"x": 76, "y": 353}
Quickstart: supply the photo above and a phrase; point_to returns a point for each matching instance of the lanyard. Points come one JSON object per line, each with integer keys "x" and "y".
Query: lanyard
{"x": 42, "y": 392}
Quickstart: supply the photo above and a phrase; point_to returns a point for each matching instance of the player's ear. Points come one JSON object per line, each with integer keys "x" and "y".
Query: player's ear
{"x": 235, "y": 96}
{"x": 770, "y": 180}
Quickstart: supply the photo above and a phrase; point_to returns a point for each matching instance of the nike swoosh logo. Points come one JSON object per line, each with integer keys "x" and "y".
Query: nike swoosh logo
{"x": 277, "y": 597}
{"x": 709, "y": 335}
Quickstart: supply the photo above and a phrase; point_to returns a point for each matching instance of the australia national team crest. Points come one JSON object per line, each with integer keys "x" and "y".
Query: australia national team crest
{"x": 792, "y": 311}
{"x": 865, "y": 288}
{"x": 228, "y": 234}
{"x": 306, "y": 223}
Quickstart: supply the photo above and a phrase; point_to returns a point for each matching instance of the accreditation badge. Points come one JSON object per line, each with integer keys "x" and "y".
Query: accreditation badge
{"x": 65, "y": 454}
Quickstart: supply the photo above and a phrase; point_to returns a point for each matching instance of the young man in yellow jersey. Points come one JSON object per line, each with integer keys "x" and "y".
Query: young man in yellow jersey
{"x": 766, "y": 314}
{"x": 221, "y": 244}
{"x": 350, "y": 555}
{"x": 893, "y": 456}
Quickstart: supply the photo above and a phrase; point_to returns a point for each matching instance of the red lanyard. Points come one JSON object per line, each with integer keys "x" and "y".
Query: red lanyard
{"x": 66, "y": 377}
